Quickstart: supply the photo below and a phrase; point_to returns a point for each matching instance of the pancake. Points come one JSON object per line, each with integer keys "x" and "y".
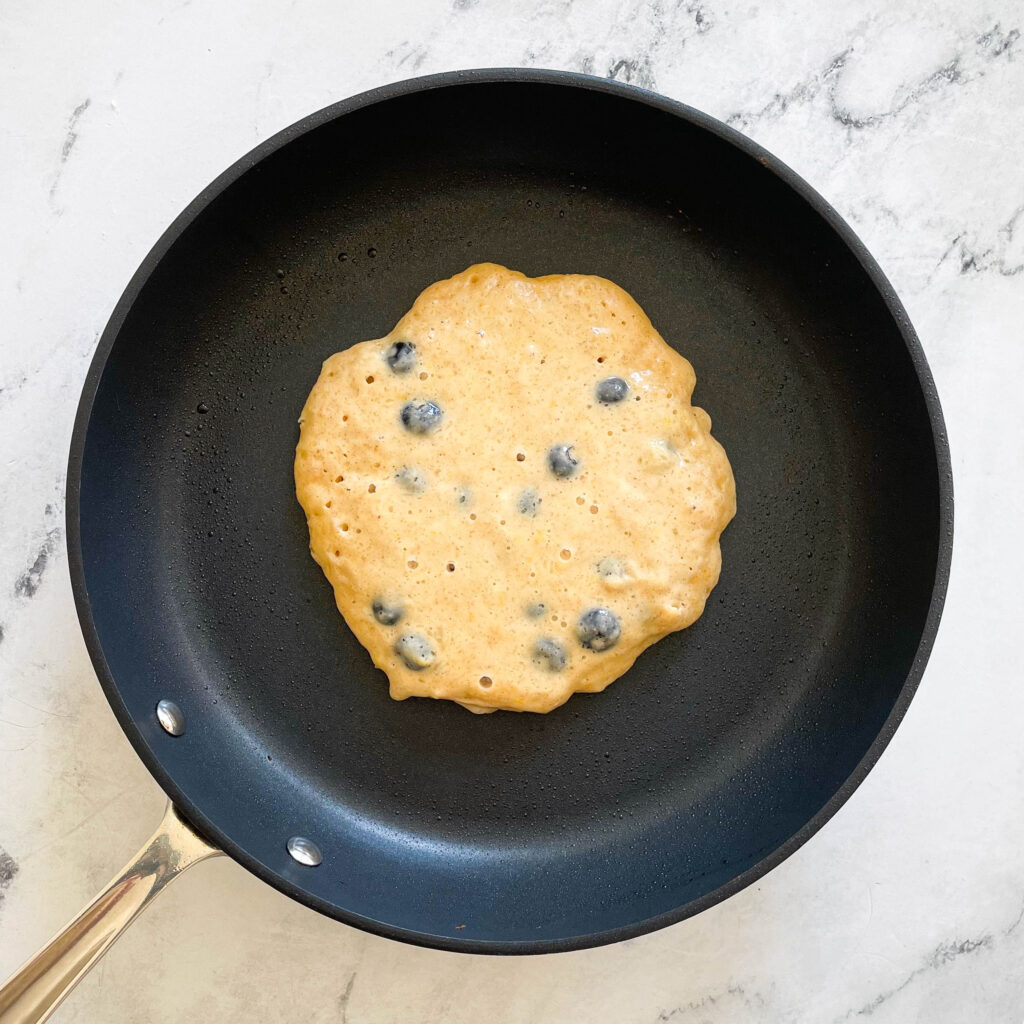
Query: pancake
{"x": 511, "y": 493}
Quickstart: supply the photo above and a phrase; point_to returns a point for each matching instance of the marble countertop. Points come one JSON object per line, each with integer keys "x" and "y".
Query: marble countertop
{"x": 906, "y": 116}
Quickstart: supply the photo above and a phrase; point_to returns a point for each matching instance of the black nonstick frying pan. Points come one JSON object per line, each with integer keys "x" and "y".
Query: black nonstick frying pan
{"x": 727, "y": 745}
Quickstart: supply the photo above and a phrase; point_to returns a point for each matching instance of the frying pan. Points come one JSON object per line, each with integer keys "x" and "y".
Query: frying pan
{"x": 721, "y": 751}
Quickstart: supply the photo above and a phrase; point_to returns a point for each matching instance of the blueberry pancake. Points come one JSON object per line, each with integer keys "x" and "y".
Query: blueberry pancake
{"x": 511, "y": 493}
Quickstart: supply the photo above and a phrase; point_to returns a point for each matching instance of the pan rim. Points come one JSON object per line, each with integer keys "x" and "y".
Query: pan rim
{"x": 699, "y": 120}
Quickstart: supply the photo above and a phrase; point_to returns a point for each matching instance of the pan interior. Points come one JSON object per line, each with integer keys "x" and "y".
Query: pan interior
{"x": 619, "y": 810}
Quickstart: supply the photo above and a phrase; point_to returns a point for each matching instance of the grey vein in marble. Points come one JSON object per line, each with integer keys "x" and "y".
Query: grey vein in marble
{"x": 649, "y": 28}
{"x": 963, "y": 68}
{"x": 29, "y": 580}
{"x": 637, "y": 71}
{"x": 70, "y": 138}
{"x": 8, "y": 869}
{"x": 967, "y": 66}
{"x": 943, "y": 954}
{"x": 972, "y": 258}
{"x": 731, "y": 1000}
{"x": 343, "y": 999}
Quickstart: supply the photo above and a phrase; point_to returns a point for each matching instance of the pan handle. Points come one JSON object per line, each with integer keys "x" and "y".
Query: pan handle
{"x": 32, "y": 994}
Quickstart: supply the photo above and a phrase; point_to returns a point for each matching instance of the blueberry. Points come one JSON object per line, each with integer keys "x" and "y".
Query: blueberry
{"x": 535, "y": 609}
{"x": 609, "y": 567}
{"x": 562, "y": 461}
{"x": 415, "y": 651}
{"x": 401, "y": 357}
{"x": 611, "y": 390}
{"x": 598, "y": 629}
{"x": 549, "y": 654}
{"x": 387, "y": 612}
{"x": 412, "y": 480}
{"x": 421, "y": 416}
{"x": 462, "y": 495}
{"x": 529, "y": 503}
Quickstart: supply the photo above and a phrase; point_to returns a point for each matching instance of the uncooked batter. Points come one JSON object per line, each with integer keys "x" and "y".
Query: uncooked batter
{"x": 511, "y": 493}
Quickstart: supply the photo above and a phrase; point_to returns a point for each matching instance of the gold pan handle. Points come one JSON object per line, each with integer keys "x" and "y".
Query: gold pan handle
{"x": 36, "y": 990}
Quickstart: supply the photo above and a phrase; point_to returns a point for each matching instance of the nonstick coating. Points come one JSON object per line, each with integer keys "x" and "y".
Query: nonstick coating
{"x": 727, "y": 744}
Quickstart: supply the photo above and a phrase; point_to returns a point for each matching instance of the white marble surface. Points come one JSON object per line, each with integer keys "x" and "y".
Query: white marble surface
{"x": 907, "y": 116}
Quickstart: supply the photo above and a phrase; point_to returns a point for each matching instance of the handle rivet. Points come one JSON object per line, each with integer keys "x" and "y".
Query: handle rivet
{"x": 305, "y": 851}
{"x": 171, "y": 718}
